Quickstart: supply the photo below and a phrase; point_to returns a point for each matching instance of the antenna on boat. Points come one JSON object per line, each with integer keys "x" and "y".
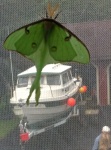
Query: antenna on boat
{"x": 11, "y": 66}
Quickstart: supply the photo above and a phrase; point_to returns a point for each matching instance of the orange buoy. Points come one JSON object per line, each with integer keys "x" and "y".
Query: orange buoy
{"x": 83, "y": 89}
{"x": 24, "y": 137}
{"x": 71, "y": 102}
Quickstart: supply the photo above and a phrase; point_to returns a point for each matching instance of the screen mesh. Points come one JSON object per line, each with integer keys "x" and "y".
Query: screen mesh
{"x": 90, "y": 20}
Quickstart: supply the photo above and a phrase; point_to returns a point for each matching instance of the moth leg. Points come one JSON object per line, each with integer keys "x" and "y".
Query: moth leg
{"x": 57, "y": 15}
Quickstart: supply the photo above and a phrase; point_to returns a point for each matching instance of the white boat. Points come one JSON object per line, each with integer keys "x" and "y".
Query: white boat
{"x": 57, "y": 86}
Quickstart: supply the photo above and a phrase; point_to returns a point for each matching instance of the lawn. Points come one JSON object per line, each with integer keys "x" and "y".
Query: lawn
{"x": 6, "y": 126}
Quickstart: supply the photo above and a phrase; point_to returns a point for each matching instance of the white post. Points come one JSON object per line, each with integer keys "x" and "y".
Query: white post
{"x": 11, "y": 66}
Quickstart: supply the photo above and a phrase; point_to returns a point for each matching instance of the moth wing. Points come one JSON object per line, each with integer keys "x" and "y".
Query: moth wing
{"x": 81, "y": 50}
{"x": 26, "y": 40}
{"x": 65, "y": 46}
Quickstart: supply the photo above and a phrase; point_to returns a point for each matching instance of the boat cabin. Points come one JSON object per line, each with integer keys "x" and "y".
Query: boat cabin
{"x": 56, "y": 84}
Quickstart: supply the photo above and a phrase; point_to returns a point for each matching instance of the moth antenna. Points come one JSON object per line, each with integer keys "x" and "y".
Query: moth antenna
{"x": 54, "y": 10}
{"x": 49, "y": 10}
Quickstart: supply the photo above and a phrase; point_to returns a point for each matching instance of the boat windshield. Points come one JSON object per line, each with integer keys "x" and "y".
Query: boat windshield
{"x": 41, "y": 79}
{"x": 53, "y": 79}
{"x": 66, "y": 77}
{"x": 70, "y": 74}
{"x": 22, "y": 82}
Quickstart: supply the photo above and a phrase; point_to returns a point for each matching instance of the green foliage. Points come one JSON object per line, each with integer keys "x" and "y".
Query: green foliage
{"x": 6, "y": 126}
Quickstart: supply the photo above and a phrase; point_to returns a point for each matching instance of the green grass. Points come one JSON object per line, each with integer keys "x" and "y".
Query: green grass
{"x": 6, "y": 126}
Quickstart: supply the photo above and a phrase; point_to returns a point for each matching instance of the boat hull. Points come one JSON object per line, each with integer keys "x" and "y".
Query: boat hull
{"x": 41, "y": 116}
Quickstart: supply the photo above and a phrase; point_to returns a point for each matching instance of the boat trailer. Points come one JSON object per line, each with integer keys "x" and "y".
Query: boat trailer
{"x": 26, "y": 134}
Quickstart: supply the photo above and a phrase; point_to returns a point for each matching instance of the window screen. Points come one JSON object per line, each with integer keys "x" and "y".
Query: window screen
{"x": 90, "y": 20}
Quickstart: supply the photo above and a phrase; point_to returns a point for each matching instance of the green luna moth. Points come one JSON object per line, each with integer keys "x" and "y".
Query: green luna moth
{"x": 44, "y": 42}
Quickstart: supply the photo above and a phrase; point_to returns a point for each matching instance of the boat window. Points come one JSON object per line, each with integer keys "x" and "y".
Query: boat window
{"x": 65, "y": 78}
{"x": 53, "y": 80}
{"x": 41, "y": 80}
{"x": 70, "y": 75}
{"x": 22, "y": 82}
{"x": 32, "y": 79}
